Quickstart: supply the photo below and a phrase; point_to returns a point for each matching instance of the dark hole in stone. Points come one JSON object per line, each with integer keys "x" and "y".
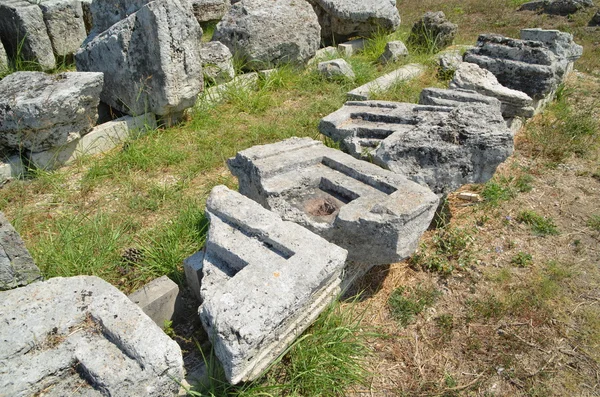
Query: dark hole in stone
{"x": 321, "y": 206}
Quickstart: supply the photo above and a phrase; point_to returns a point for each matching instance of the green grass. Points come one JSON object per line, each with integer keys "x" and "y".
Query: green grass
{"x": 406, "y": 305}
{"x": 327, "y": 360}
{"x": 594, "y": 222}
{"x": 540, "y": 225}
{"x": 505, "y": 188}
{"x": 522, "y": 259}
{"x": 449, "y": 250}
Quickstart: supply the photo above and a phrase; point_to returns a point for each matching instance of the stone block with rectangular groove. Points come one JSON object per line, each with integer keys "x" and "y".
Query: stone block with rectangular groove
{"x": 264, "y": 281}
{"x": 378, "y": 216}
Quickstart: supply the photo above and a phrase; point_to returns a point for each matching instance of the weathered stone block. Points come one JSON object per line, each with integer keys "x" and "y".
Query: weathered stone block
{"x": 3, "y": 58}
{"x": 39, "y": 111}
{"x": 265, "y": 281}
{"x": 81, "y": 335}
{"x": 344, "y": 19}
{"x": 351, "y": 47}
{"x": 11, "y": 167}
{"x": 210, "y": 10}
{"x": 405, "y": 73}
{"x": 456, "y": 97}
{"x": 65, "y": 25}
{"x": 101, "y": 139}
{"x": 150, "y": 60}
{"x": 440, "y": 147}
{"x": 378, "y": 216}
{"x": 560, "y": 43}
{"x": 469, "y": 76}
{"x": 106, "y": 13}
{"x": 270, "y": 32}
{"x": 23, "y": 32}
{"x": 433, "y": 30}
{"x": 336, "y": 68}
{"x": 193, "y": 273}
{"x": 159, "y": 299}
{"x": 394, "y": 51}
{"x": 217, "y": 62}
{"x": 16, "y": 264}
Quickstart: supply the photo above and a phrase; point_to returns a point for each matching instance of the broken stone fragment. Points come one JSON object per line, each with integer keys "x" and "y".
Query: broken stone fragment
{"x": 341, "y": 20}
{"x": 217, "y": 62}
{"x": 39, "y": 111}
{"x": 437, "y": 146}
{"x": 336, "y": 68}
{"x": 150, "y": 60}
{"x": 433, "y": 31}
{"x": 456, "y": 97}
{"x": 210, "y": 10}
{"x": 3, "y": 59}
{"x": 264, "y": 281}
{"x": 394, "y": 51}
{"x": 65, "y": 24}
{"x": 106, "y": 13}
{"x": 378, "y": 216}
{"x": 269, "y": 32}
{"x": 81, "y": 336}
{"x": 16, "y": 264}
{"x": 469, "y": 76}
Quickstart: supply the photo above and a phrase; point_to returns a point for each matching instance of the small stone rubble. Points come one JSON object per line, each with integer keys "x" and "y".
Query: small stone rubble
{"x": 377, "y": 215}
{"x": 264, "y": 281}
{"x": 437, "y": 146}
{"x": 81, "y": 336}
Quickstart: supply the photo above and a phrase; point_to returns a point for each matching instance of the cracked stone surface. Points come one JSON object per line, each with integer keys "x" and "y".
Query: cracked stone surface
{"x": 437, "y": 146}
{"x": 80, "y": 336}
{"x": 264, "y": 281}
{"x": 377, "y": 215}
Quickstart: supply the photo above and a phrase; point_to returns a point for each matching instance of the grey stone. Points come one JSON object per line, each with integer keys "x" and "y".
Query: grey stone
{"x": 336, "y": 68}
{"x": 106, "y": 13}
{"x": 560, "y": 43}
{"x": 16, "y": 264}
{"x": 88, "y": 19}
{"x": 456, "y": 97}
{"x": 595, "y": 21}
{"x": 523, "y": 65}
{"x": 100, "y": 139}
{"x": 11, "y": 167}
{"x": 193, "y": 273}
{"x": 351, "y": 47}
{"x": 344, "y": 19}
{"x": 81, "y": 336}
{"x": 39, "y": 111}
{"x": 515, "y": 103}
{"x": 217, "y": 62}
{"x": 270, "y": 32}
{"x": 264, "y": 281}
{"x": 65, "y": 25}
{"x": 324, "y": 53}
{"x": 150, "y": 60}
{"x": 450, "y": 58}
{"x": 3, "y": 58}
{"x": 383, "y": 83}
{"x": 557, "y": 7}
{"x": 378, "y": 216}
{"x": 437, "y": 146}
{"x": 222, "y": 92}
{"x": 394, "y": 51}
{"x": 23, "y": 32}
{"x": 210, "y": 10}
{"x": 159, "y": 299}
{"x": 433, "y": 30}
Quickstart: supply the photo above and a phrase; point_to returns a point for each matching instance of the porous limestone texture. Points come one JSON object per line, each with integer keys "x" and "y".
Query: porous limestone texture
{"x": 269, "y": 32}
{"x": 65, "y": 25}
{"x": 456, "y": 97}
{"x": 383, "y": 83}
{"x": 210, "y": 10}
{"x": 433, "y": 30}
{"x": 80, "y": 336}
{"x": 394, "y": 51}
{"x": 344, "y": 19}
{"x": 23, "y": 32}
{"x": 469, "y": 76}
{"x": 436, "y": 146}
{"x": 560, "y": 43}
{"x": 106, "y": 13}
{"x": 524, "y": 65}
{"x": 16, "y": 264}
{"x": 150, "y": 60}
{"x": 557, "y": 7}
{"x": 378, "y": 216}
{"x": 217, "y": 62}
{"x": 264, "y": 281}
{"x": 336, "y": 68}
{"x": 100, "y": 139}
{"x": 159, "y": 299}
{"x": 39, "y": 111}
{"x": 3, "y": 58}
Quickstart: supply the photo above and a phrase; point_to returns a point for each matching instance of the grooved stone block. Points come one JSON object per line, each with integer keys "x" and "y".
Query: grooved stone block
{"x": 406, "y": 72}
{"x": 81, "y": 336}
{"x": 265, "y": 281}
{"x": 438, "y": 146}
{"x": 378, "y": 216}
{"x": 158, "y": 299}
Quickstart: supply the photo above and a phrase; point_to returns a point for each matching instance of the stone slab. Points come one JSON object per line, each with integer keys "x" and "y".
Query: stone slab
{"x": 405, "y": 73}
{"x": 159, "y": 299}
{"x": 265, "y": 281}
{"x": 101, "y": 139}
{"x": 377, "y": 215}
{"x": 80, "y": 336}
{"x": 351, "y": 47}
